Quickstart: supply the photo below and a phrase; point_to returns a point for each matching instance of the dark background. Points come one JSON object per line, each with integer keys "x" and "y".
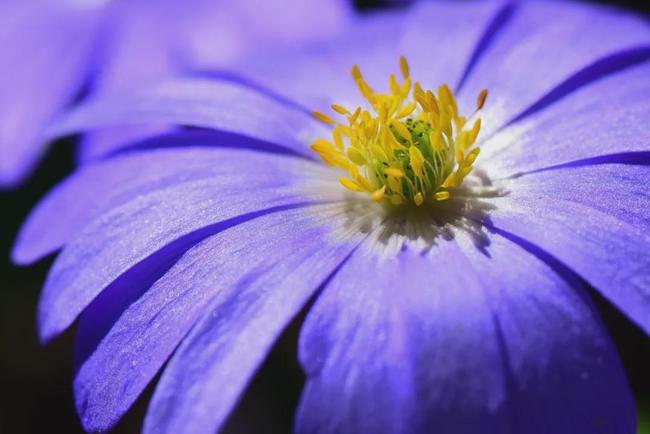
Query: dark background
{"x": 35, "y": 381}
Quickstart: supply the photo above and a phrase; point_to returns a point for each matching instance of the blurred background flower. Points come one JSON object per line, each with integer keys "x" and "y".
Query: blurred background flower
{"x": 36, "y": 381}
{"x": 56, "y": 51}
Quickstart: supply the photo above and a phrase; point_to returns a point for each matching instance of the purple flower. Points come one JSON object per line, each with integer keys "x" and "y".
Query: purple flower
{"x": 466, "y": 312}
{"x": 54, "y": 49}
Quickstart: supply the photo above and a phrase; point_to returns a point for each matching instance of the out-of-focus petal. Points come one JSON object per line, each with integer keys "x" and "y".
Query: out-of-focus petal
{"x": 133, "y": 240}
{"x": 219, "y": 33}
{"x": 607, "y": 117}
{"x": 457, "y": 340}
{"x": 253, "y": 279}
{"x": 44, "y": 60}
{"x": 98, "y": 187}
{"x": 595, "y": 220}
{"x": 438, "y": 38}
{"x": 137, "y": 49}
{"x": 316, "y": 76}
{"x": 542, "y": 45}
{"x": 106, "y": 142}
{"x": 145, "y": 43}
{"x": 219, "y": 105}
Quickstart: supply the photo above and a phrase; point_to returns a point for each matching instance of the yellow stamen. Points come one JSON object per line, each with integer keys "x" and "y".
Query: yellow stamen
{"x": 356, "y": 156}
{"x": 366, "y": 91}
{"x": 403, "y": 131}
{"x": 417, "y": 160}
{"x": 418, "y": 199}
{"x": 404, "y": 67}
{"x": 356, "y": 73}
{"x": 350, "y": 184}
{"x": 394, "y": 185}
{"x": 441, "y": 195}
{"x": 395, "y": 173}
{"x": 340, "y": 109}
{"x": 324, "y": 118}
{"x": 378, "y": 195}
{"x": 409, "y": 146}
{"x": 481, "y": 99}
{"x": 406, "y": 110}
{"x": 474, "y": 132}
{"x": 338, "y": 140}
{"x": 355, "y": 115}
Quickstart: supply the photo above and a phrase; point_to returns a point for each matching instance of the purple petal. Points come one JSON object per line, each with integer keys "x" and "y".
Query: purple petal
{"x": 427, "y": 33}
{"x": 101, "y": 144}
{"x": 43, "y": 65}
{"x": 222, "y": 106}
{"x": 459, "y": 341}
{"x": 604, "y": 118}
{"x": 261, "y": 272}
{"x": 166, "y": 223}
{"x": 316, "y": 76}
{"x": 220, "y": 33}
{"x": 98, "y": 187}
{"x": 272, "y": 267}
{"x": 136, "y": 46}
{"x": 442, "y": 37}
{"x": 517, "y": 69}
{"x": 595, "y": 220}
{"x": 618, "y": 190}
{"x": 207, "y": 34}
{"x": 136, "y": 51}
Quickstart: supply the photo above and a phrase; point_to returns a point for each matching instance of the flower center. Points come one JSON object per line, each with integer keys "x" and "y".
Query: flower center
{"x": 411, "y": 147}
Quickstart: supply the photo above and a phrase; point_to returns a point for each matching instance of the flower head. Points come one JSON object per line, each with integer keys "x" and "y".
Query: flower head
{"x": 189, "y": 253}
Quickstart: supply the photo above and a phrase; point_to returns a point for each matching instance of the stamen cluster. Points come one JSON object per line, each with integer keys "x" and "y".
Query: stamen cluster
{"x": 411, "y": 147}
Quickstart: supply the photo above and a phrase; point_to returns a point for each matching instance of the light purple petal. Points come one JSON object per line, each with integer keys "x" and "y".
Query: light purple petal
{"x": 438, "y": 38}
{"x": 136, "y": 46}
{"x": 595, "y": 220}
{"x": 218, "y": 33}
{"x": 212, "y": 104}
{"x": 98, "y": 187}
{"x": 458, "y": 340}
{"x": 252, "y": 278}
{"x": 137, "y": 50}
{"x": 145, "y": 43}
{"x": 442, "y": 38}
{"x": 315, "y": 76}
{"x": 43, "y": 64}
{"x": 542, "y": 45}
{"x": 166, "y": 223}
{"x": 607, "y": 117}
{"x": 106, "y": 142}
